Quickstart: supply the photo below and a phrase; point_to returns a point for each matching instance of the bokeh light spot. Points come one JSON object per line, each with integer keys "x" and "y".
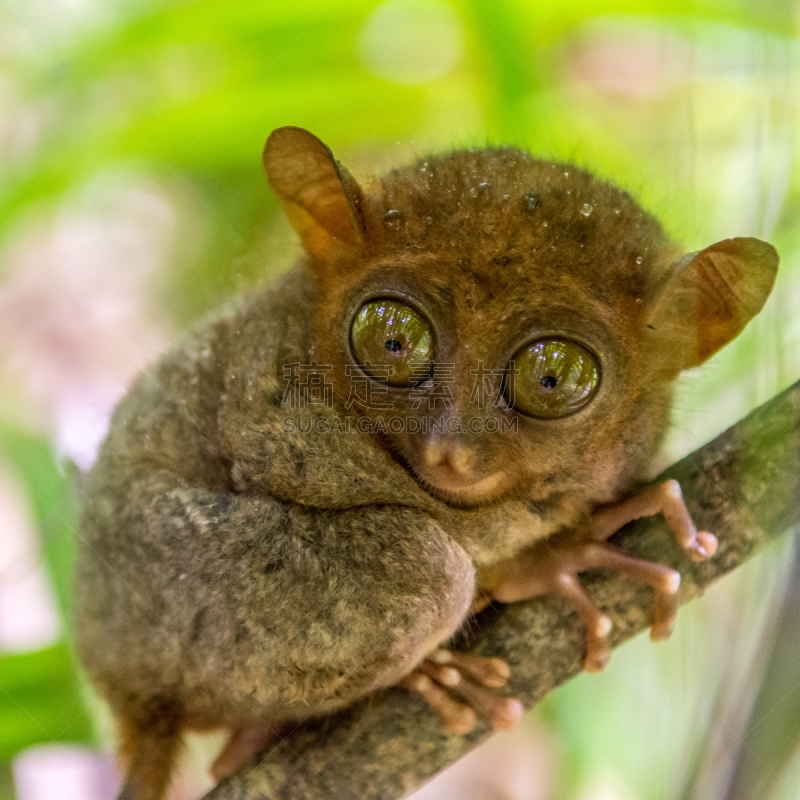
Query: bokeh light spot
{"x": 411, "y": 42}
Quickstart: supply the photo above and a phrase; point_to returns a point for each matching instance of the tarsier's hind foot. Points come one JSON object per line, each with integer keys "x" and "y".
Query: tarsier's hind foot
{"x": 243, "y": 744}
{"x": 458, "y": 685}
{"x": 553, "y": 567}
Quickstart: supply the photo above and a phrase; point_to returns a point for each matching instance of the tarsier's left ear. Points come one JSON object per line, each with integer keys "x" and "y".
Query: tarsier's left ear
{"x": 320, "y": 197}
{"x": 707, "y": 298}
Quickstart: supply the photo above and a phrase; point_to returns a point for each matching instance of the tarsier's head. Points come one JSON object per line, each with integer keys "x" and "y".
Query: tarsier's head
{"x": 507, "y": 325}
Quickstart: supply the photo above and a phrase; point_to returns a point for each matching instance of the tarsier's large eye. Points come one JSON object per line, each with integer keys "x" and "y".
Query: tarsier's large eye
{"x": 554, "y": 378}
{"x": 389, "y": 333}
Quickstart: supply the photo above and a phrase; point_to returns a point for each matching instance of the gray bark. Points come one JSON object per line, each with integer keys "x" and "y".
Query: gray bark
{"x": 743, "y": 486}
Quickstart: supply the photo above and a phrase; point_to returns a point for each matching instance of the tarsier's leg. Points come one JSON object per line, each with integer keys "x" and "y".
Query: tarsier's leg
{"x": 454, "y": 684}
{"x": 457, "y": 685}
{"x": 148, "y": 748}
{"x": 552, "y": 567}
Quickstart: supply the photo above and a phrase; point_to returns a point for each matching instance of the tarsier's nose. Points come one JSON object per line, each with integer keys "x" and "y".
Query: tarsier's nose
{"x": 450, "y": 456}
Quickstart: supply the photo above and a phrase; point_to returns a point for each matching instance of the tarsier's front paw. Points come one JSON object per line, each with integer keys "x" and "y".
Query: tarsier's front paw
{"x": 552, "y": 566}
{"x": 558, "y": 570}
{"x": 667, "y": 498}
{"x": 458, "y": 685}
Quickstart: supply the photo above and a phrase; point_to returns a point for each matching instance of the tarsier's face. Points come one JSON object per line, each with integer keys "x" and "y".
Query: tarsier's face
{"x": 506, "y": 325}
{"x": 455, "y": 409}
{"x": 492, "y": 337}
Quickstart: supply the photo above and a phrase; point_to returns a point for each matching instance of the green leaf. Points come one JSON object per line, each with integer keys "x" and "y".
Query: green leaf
{"x": 40, "y": 701}
{"x": 30, "y": 459}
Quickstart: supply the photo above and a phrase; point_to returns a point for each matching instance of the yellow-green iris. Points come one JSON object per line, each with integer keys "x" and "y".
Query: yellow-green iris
{"x": 392, "y": 341}
{"x": 554, "y": 378}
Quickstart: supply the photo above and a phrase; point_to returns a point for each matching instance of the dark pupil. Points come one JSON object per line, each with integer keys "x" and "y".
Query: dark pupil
{"x": 392, "y": 345}
{"x": 548, "y": 381}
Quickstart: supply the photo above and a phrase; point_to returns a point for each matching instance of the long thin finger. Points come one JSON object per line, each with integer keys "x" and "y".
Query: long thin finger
{"x": 663, "y": 580}
{"x": 607, "y": 521}
{"x": 503, "y": 713}
{"x": 667, "y": 498}
{"x": 598, "y": 625}
{"x": 492, "y": 672}
{"x": 698, "y": 546}
{"x": 457, "y": 717}
{"x": 445, "y": 675}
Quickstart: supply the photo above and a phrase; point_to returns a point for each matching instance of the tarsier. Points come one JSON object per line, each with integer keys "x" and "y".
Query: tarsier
{"x": 496, "y": 340}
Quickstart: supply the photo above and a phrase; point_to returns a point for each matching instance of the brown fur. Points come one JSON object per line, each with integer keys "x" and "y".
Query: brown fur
{"x": 232, "y": 570}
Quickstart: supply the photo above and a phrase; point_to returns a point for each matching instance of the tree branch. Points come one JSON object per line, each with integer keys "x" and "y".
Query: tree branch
{"x": 744, "y": 486}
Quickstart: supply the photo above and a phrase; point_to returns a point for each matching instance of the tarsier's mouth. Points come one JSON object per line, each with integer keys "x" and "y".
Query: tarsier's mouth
{"x": 459, "y": 491}
{"x": 449, "y": 469}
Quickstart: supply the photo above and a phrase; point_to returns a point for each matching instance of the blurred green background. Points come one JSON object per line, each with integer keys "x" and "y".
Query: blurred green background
{"x": 132, "y": 202}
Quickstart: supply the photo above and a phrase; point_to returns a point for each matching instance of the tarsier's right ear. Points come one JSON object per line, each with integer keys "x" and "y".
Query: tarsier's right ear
{"x": 320, "y": 197}
{"x": 706, "y": 298}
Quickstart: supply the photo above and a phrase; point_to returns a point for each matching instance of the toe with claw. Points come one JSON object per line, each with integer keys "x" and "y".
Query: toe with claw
{"x": 460, "y": 688}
